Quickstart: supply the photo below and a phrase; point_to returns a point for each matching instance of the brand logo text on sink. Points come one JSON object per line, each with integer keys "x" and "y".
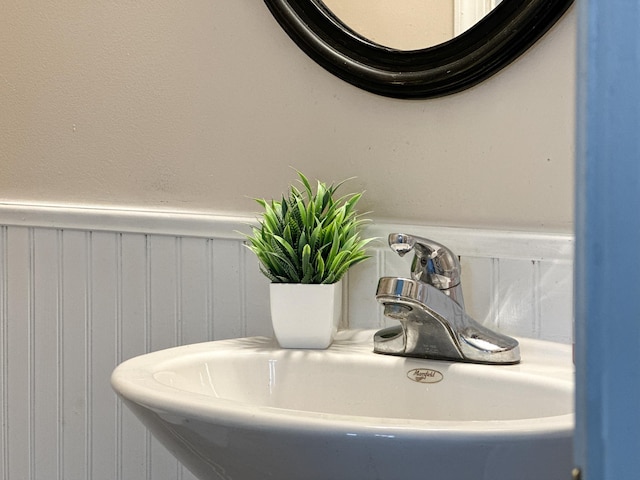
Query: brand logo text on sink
{"x": 424, "y": 375}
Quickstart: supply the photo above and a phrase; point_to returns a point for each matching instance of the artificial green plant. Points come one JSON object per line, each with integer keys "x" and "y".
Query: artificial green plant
{"x": 309, "y": 237}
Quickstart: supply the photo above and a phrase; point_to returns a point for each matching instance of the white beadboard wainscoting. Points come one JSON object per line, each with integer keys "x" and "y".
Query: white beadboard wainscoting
{"x": 82, "y": 289}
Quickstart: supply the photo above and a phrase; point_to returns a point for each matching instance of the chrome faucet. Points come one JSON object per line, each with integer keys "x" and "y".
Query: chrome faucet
{"x": 430, "y": 308}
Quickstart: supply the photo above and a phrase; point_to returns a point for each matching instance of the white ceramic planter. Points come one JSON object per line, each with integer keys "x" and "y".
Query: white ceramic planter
{"x": 305, "y": 315}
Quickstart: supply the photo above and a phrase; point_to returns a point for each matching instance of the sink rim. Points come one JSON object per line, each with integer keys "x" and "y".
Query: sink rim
{"x": 135, "y": 380}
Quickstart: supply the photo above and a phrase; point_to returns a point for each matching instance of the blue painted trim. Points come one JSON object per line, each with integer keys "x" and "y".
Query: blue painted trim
{"x": 607, "y": 277}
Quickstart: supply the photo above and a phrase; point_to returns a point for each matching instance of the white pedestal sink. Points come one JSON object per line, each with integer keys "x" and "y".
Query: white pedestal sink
{"x": 245, "y": 409}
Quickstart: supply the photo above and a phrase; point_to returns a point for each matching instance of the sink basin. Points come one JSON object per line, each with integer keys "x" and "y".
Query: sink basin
{"x": 245, "y": 409}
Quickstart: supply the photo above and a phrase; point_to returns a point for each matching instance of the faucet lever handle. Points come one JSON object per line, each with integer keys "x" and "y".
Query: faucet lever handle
{"x": 433, "y": 263}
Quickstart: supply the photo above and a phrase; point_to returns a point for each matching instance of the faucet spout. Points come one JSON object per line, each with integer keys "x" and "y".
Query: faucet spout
{"x": 433, "y": 326}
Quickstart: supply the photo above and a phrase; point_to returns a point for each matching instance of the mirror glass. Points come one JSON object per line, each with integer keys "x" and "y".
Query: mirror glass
{"x": 410, "y": 24}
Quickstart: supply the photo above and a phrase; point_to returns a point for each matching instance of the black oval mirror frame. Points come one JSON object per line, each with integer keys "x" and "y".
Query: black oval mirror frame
{"x": 494, "y": 42}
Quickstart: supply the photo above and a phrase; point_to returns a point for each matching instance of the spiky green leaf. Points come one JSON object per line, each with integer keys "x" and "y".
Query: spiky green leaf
{"x": 308, "y": 236}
